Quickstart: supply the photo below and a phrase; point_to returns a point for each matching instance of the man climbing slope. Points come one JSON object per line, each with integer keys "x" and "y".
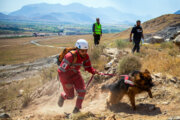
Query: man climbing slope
{"x": 70, "y": 76}
{"x": 137, "y": 32}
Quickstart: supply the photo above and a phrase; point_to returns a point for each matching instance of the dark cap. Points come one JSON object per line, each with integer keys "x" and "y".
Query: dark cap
{"x": 138, "y": 21}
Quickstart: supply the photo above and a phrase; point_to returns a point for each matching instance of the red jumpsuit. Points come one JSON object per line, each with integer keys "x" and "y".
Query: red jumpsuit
{"x": 69, "y": 74}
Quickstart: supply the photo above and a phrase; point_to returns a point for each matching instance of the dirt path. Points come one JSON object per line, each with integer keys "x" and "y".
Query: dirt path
{"x": 165, "y": 102}
{"x": 36, "y": 42}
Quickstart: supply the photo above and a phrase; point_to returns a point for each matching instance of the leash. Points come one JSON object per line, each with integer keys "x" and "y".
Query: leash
{"x": 107, "y": 74}
{"x": 98, "y": 74}
{"x": 89, "y": 81}
{"x": 126, "y": 78}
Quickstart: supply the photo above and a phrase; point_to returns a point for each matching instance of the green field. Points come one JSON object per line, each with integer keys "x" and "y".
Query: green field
{"x": 70, "y": 29}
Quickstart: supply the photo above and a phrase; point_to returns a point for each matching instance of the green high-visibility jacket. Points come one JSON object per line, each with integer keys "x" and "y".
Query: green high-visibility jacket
{"x": 98, "y": 29}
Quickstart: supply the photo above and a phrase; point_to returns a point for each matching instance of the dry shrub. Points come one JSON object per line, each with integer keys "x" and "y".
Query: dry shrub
{"x": 128, "y": 64}
{"x": 26, "y": 98}
{"x": 48, "y": 74}
{"x": 100, "y": 63}
{"x": 95, "y": 51}
{"x": 95, "y": 54}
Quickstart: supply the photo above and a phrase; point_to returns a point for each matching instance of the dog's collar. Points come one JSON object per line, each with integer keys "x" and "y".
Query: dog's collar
{"x": 127, "y": 80}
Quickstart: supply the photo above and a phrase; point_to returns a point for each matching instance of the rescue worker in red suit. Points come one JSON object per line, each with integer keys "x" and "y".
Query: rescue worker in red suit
{"x": 70, "y": 75}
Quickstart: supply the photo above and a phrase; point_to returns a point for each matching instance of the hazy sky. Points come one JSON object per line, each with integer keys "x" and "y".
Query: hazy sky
{"x": 139, "y": 7}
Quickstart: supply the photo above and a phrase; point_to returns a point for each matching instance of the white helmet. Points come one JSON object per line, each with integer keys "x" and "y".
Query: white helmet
{"x": 81, "y": 44}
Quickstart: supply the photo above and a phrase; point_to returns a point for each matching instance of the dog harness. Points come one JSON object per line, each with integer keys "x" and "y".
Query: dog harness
{"x": 127, "y": 80}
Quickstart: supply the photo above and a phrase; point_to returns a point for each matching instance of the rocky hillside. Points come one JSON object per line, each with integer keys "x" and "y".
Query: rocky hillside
{"x": 165, "y": 26}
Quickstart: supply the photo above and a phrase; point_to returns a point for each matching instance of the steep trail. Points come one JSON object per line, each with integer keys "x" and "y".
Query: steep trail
{"x": 164, "y": 104}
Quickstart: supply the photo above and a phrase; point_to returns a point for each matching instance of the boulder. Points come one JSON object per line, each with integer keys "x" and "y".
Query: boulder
{"x": 175, "y": 35}
{"x": 177, "y": 41}
{"x": 21, "y": 92}
{"x": 156, "y": 39}
{"x": 4, "y": 116}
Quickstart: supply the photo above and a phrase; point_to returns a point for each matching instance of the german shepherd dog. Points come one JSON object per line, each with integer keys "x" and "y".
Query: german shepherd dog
{"x": 142, "y": 83}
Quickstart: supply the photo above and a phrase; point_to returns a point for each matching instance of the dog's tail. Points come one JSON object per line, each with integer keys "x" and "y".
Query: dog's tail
{"x": 105, "y": 88}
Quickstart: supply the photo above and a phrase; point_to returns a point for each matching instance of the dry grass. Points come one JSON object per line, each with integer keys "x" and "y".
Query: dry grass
{"x": 48, "y": 74}
{"x": 15, "y": 51}
{"x": 156, "y": 59}
{"x": 10, "y": 94}
{"x": 11, "y": 97}
{"x": 164, "y": 63}
{"x": 16, "y": 41}
{"x": 166, "y": 45}
{"x": 24, "y": 53}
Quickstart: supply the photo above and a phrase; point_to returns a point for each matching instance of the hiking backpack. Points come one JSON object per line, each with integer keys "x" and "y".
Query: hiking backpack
{"x": 64, "y": 52}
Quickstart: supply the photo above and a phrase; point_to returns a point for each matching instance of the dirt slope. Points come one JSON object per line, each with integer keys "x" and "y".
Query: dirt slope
{"x": 165, "y": 103}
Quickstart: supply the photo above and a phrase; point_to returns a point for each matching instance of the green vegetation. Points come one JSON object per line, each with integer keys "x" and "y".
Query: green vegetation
{"x": 69, "y": 29}
{"x": 11, "y": 27}
{"x": 120, "y": 44}
{"x": 167, "y": 45}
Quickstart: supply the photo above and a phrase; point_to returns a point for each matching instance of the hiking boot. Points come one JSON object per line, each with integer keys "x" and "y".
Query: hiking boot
{"x": 76, "y": 110}
{"x": 61, "y": 101}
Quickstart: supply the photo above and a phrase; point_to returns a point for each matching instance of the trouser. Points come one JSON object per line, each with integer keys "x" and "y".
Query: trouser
{"x": 71, "y": 83}
{"x": 136, "y": 47}
{"x": 97, "y": 39}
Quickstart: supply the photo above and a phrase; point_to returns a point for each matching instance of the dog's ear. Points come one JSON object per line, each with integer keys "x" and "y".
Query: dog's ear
{"x": 146, "y": 71}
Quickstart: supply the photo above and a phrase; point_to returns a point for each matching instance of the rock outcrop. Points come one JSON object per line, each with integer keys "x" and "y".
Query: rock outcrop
{"x": 155, "y": 39}
{"x": 177, "y": 40}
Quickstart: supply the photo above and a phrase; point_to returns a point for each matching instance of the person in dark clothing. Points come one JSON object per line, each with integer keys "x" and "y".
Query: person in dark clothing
{"x": 97, "y": 31}
{"x": 137, "y": 32}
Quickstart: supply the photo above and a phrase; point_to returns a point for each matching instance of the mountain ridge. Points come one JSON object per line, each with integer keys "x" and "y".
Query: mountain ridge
{"x": 177, "y": 12}
{"x": 106, "y": 14}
